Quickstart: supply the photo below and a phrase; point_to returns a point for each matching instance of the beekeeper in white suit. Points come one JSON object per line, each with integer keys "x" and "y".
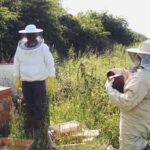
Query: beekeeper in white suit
{"x": 134, "y": 103}
{"x": 34, "y": 65}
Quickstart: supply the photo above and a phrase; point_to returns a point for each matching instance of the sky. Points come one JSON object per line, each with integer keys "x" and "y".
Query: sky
{"x": 135, "y": 12}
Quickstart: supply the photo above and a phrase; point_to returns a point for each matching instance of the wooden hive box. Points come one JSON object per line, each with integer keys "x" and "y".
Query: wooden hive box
{"x": 5, "y": 105}
{"x": 15, "y": 144}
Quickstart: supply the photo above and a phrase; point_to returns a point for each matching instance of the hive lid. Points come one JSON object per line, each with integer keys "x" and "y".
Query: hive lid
{"x": 2, "y": 88}
{"x": 4, "y": 91}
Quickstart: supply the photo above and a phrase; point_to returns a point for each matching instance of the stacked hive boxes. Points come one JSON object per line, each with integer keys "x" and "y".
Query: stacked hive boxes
{"x": 15, "y": 144}
{"x": 5, "y": 105}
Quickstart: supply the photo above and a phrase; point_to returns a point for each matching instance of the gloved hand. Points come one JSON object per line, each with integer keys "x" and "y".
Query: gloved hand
{"x": 108, "y": 85}
{"x": 118, "y": 71}
{"x": 121, "y": 71}
{"x": 18, "y": 83}
{"x": 51, "y": 85}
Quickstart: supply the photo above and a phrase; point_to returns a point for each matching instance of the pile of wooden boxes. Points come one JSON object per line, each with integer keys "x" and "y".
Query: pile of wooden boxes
{"x": 71, "y": 134}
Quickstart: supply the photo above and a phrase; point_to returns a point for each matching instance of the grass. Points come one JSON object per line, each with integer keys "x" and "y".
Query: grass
{"x": 81, "y": 96}
{"x": 81, "y": 93}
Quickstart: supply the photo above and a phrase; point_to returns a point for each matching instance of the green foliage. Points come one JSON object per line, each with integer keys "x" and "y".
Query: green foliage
{"x": 7, "y": 25}
{"x": 139, "y": 37}
{"x": 44, "y": 14}
{"x": 81, "y": 96}
{"x": 81, "y": 93}
{"x": 6, "y": 15}
{"x": 87, "y": 32}
{"x": 21, "y": 127}
{"x": 17, "y": 126}
{"x": 91, "y": 22}
{"x": 71, "y": 32}
{"x": 118, "y": 28}
{"x": 95, "y": 36}
{"x": 12, "y": 5}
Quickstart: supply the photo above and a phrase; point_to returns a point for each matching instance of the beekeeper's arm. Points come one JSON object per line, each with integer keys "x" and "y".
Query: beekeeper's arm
{"x": 17, "y": 70}
{"x": 49, "y": 61}
{"x": 134, "y": 92}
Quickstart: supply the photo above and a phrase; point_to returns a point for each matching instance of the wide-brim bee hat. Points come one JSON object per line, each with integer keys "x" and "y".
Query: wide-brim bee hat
{"x": 31, "y": 28}
{"x": 144, "y": 48}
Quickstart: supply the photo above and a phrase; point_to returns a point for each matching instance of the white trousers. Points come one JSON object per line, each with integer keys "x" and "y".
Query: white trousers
{"x": 133, "y": 134}
{"x": 131, "y": 142}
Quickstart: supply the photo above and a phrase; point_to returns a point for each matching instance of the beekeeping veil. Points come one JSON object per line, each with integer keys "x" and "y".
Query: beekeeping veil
{"x": 135, "y": 59}
{"x": 140, "y": 56}
{"x": 31, "y": 37}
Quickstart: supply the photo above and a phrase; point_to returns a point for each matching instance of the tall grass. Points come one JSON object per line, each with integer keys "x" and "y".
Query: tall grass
{"x": 81, "y": 95}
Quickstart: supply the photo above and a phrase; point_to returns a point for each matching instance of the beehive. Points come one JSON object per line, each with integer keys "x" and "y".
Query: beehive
{"x": 15, "y": 144}
{"x": 5, "y": 105}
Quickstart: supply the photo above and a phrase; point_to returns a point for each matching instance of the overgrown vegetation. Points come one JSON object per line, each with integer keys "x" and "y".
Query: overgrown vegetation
{"x": 91, "y": 30}
{"x": 84, "y": 47}
{"x": 81, "y": 95}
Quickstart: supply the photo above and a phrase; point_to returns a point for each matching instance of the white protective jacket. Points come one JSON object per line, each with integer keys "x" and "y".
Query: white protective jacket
{"x": 134, "y": 106}
{"x": 34, "y": 65}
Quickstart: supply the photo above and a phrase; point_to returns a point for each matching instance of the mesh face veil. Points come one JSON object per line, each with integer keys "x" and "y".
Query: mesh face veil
{"x": 145, "y": 61}
{"x": 140, "y": 57}
{"x": 135, "y": 59}
{"x": 30, "y": 41}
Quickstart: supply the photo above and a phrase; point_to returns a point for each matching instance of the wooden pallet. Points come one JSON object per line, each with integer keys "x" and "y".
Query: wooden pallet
{"x": 71, "y": 134}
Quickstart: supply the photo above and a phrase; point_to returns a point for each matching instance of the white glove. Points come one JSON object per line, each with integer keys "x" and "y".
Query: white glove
{"x": 121, "y": 71}
{"x": 118, "y": 71}
{"x": 108, "y": 85}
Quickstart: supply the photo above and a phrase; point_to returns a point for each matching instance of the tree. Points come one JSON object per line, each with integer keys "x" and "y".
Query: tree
{"x": 71, "y": 32}
{"x": 89, "y": 31}
{"x": 95, "y": 35}
{"x": 44, "y": 14}
{"x": 118, "y": 28}
{"x": 7, "y": 25}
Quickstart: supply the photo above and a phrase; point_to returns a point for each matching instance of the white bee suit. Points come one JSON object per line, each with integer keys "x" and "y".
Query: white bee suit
{"x": 37, "y": 64}
{"x": 134, "y": 106}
